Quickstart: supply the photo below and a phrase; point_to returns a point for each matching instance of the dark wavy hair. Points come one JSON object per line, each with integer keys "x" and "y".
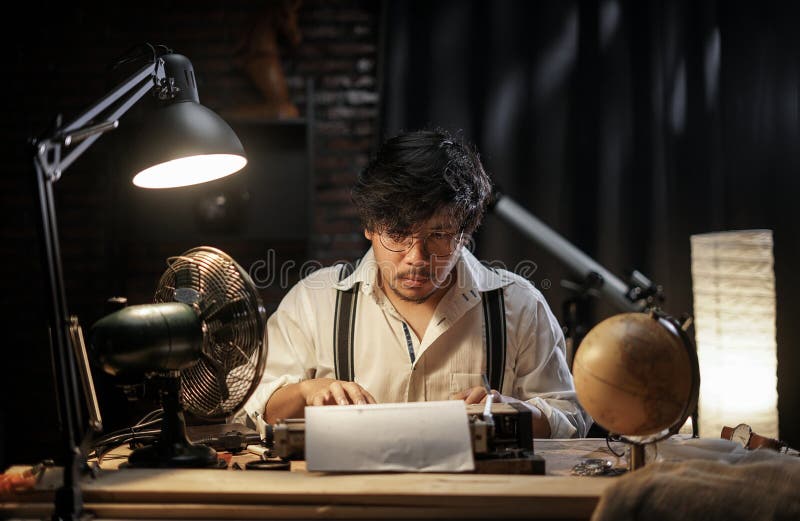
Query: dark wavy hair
{"x": 417, "y": 175}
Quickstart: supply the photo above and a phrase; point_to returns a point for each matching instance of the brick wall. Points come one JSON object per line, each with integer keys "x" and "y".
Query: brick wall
{"x": 339, "y": 52}
{"x": 60, "y": 64}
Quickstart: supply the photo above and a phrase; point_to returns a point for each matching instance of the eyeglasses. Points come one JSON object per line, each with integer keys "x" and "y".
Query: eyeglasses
{"x": 438, "y": 244}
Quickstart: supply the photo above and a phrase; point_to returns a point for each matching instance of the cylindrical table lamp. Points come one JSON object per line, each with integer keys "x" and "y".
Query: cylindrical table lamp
{"x": 733, "y": 283}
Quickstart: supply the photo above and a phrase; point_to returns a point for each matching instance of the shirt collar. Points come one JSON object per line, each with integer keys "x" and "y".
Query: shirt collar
{"x": 365, "y": 272}
{"x": 475, "y": 275}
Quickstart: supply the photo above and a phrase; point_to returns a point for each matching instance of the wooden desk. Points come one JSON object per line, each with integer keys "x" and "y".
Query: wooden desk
{"x": 232, "y": 494}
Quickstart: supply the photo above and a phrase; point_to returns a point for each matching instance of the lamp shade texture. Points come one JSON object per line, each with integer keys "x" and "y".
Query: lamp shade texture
{"x": 733, "y": 283}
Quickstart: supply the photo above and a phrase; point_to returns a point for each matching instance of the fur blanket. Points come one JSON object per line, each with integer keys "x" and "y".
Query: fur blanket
{"x": 763, "y": 485}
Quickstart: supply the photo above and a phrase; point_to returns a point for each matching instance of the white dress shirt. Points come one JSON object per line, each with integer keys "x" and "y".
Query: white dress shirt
{"x": 450, "y": 357}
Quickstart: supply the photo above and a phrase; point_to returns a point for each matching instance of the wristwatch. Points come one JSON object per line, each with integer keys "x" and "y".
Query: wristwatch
{"x": 743, "y": 435}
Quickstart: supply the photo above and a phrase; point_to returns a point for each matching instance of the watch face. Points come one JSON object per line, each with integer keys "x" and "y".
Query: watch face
{"x": 741, "y": 434}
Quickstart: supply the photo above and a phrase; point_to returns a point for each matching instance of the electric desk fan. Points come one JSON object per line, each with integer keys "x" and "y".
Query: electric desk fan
{"x": 202, "y": 342}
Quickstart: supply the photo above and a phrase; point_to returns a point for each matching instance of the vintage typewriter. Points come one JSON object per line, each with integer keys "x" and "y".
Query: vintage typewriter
{"x": 502, "y": 441}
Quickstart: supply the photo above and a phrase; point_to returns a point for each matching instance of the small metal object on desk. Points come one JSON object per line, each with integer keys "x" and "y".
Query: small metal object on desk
{"x": 595, "y": 467}
{"x": 274, "y": 464}
{"x": 265, "y": 462}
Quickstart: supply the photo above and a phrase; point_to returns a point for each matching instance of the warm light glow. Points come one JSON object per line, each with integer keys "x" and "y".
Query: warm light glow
{"x": 189, "y": 171}
{"x": 686, "y": 428}
{"x": 734, "y": 311}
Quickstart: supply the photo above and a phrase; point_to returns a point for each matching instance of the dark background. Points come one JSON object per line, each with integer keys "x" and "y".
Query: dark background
{"x": 625, "y": 126}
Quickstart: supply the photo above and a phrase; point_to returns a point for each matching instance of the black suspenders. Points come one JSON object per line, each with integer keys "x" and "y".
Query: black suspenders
{"x": 344, "y": 321}
{"x": 494, "y": 320}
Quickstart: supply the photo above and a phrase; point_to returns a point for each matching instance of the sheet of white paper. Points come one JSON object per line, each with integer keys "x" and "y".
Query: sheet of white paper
{"x": 399, "y": 437}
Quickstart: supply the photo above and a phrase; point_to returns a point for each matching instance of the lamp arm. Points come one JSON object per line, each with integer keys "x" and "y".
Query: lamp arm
{"x": 49, "y": 165}
{"x": 580, "y": 263}
{"x": 48, "y": 149}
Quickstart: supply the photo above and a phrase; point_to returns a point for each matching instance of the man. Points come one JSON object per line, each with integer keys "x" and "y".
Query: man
{"x": 417, "y": 327}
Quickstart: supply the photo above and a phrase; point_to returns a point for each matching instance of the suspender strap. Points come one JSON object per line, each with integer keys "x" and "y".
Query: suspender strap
{"x": 344, "y": 327}
{"x": 494, "y": 319}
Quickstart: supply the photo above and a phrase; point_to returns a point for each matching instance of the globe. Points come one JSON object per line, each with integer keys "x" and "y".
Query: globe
{"x": 636, "y": 374}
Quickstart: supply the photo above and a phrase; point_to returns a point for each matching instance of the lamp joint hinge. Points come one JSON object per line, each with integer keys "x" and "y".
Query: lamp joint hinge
{"x": 166, "y": 89}
{"x": 49, "y": 157}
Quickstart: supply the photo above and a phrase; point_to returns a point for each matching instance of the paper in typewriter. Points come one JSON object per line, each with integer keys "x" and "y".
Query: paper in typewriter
{"x": 394, "y": 437}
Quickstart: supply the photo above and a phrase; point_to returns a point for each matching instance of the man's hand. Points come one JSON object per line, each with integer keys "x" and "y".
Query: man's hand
{"x": 476, "y": 395}
{"x": 290, "y": 401}
{"x": 541, "y": 426}
{"x": 327, "y": 391}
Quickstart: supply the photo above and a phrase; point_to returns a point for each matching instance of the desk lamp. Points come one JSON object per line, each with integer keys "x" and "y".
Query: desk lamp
{"x": 182, "y": 143}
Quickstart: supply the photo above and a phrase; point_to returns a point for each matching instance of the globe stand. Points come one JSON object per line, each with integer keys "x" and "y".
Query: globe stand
{"x": 173, "y": 448}
{"x": 636, "y": 457}
{"x": 637, "y": 445}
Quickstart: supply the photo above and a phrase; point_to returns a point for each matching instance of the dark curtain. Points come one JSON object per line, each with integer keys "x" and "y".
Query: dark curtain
{"x": 626, "y": 126}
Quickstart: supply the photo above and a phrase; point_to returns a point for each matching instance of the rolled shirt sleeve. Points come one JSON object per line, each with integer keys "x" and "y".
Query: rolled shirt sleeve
{"x": 290, "y": 354}
{"x": 542, "y": 376}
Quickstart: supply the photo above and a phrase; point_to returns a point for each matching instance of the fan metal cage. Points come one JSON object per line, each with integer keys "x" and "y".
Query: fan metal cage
{"x": 234, "y": 318}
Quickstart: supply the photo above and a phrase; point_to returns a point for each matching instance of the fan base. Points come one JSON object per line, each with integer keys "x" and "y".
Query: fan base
{"x": 175, "y": 455}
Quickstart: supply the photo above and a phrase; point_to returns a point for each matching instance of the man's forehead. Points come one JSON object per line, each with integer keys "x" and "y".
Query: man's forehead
{"x": 439, "y": 221}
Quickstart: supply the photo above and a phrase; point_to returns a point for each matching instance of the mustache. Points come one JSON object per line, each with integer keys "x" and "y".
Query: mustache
{"x": 425, "y": 273}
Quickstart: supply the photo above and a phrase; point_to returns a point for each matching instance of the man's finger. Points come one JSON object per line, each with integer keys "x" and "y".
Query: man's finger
{"x": 355, "y": 392}
{"x": 359, "y": 394}
{"x": 339, "y": 394}
{"x": 475, "y": 395}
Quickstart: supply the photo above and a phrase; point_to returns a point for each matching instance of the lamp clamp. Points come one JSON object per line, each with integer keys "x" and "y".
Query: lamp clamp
{"x": 166, "y": 89}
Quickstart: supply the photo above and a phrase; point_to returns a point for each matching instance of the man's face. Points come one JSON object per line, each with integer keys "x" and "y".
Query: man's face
{"x": 416, "y": 274}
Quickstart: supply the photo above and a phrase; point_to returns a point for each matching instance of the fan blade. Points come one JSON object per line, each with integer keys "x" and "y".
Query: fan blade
{"x": 236, "y": 349}
{"x": 229, "y": 310}
{"x": 219, "y": 377}
{"x": 223, "y": 334}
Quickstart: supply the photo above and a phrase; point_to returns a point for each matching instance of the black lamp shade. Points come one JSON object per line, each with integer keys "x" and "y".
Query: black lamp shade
{"x": 183, "y": 144}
